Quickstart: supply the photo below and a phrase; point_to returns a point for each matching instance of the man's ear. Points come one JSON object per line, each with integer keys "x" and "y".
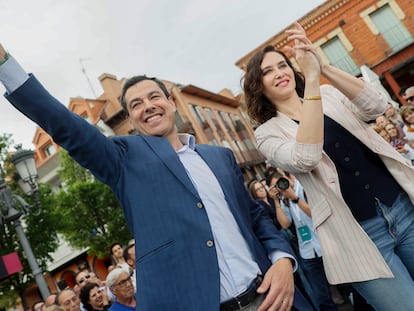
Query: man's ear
{"x": 132, "y": 125}
{"x": 172, "y": 101}
{"x": 128, "y": 117}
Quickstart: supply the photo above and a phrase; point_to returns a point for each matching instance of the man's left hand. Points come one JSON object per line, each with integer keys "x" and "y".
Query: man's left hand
{"x": 279, "y": 284}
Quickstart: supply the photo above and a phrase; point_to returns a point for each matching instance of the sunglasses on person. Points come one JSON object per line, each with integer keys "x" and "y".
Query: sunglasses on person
{"x": 84, "y": 279}
{"x": 410, "y": 99}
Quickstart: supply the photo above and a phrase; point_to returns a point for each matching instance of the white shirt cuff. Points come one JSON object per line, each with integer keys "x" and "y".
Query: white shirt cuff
{"x": 276, "y": 255}
{"x": 12, "y": 75}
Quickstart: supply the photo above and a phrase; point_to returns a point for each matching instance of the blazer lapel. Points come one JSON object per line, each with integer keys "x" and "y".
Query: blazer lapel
{"x": 164, "y": 151}
{"x": 216, "y": 164}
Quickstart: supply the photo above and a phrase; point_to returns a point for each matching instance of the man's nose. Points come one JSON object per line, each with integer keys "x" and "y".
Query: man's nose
{"x": 148, "y": 105}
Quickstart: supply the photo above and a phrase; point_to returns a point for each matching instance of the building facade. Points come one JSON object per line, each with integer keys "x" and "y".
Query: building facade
{"x": 353, "y": 33}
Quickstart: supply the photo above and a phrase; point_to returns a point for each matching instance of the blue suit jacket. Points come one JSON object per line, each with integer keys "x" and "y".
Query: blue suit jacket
{"x": 175, "y": 268}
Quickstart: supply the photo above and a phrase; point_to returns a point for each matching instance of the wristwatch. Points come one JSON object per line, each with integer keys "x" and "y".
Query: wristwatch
{"x": 295, "y": 200}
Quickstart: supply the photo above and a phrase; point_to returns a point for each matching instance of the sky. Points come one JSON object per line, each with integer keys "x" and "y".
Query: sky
{"x": 184, "y": 41}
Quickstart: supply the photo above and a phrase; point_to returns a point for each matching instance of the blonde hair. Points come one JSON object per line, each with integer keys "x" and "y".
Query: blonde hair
{"x": 403, "y": 111}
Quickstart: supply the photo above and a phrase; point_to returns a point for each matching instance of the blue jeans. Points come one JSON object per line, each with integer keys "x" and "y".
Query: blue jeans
{"x": 321, "y": 291}
{"x": 392, "y": 230}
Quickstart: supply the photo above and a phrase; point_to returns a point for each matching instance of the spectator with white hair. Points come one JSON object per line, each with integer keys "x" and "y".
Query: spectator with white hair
{"x": 120, "y": 283}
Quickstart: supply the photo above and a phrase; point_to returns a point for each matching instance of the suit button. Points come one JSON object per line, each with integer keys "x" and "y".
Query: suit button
{"x": 367, "y": 186}
{"x": 210, "y": 243}
{"x": 346, "y": 159}
{"x": 200, "y": 205}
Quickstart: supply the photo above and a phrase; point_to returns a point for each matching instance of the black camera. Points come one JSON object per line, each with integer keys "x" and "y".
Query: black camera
{"x": 282, "y": 183}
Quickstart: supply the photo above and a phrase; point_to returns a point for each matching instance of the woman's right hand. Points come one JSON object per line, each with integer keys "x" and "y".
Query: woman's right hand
{"x": 304, "y": 52}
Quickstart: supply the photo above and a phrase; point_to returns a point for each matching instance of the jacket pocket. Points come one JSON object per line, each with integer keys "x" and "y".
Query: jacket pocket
{"x": 320, "y": 212}
{"x": 153, "y": 252}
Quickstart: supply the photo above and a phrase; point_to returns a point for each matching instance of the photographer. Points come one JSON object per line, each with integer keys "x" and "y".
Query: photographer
{"x": 291, "y": 206}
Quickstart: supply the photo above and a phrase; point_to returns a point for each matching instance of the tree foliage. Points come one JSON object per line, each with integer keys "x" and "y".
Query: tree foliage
{"x": 38, "y": 224}
{"x": 89, "y": 213}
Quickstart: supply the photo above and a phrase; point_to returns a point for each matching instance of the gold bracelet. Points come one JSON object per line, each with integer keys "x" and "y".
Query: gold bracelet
{"x": 317, "y": 97}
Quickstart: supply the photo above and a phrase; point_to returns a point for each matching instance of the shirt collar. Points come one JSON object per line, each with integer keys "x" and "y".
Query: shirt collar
{"x": 187, "y": 140}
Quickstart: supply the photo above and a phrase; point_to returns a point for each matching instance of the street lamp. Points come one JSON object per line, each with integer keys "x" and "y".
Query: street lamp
{"x": 24, "y": 163}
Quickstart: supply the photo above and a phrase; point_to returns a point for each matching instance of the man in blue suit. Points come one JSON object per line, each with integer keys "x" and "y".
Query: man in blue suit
{"x": 201, "y": 241}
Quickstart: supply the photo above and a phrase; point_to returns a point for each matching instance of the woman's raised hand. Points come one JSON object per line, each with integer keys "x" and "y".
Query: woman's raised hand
{"x": 304, "y": 51}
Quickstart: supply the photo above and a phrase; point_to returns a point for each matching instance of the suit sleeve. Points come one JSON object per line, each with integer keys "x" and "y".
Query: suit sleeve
{"x": 101, "y": 155}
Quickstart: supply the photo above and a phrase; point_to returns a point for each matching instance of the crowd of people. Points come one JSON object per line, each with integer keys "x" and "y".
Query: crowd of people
{"x": 335, "y": 208}
{"x": 90, "y": 293}
{"x": 396, "y": 126}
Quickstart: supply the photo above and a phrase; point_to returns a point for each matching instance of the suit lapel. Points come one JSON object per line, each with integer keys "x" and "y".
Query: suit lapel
{"x": 164, "y": 151}
{"x": 218, "y": 165}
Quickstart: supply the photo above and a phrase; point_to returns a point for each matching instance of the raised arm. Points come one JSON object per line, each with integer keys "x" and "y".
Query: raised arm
{"x": 349, "y": 85}
{"x": 310, "y": 130}
{"x": 85, "y": 143}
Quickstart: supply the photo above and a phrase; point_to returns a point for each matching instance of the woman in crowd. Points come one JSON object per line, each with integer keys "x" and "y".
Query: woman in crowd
{"x": 356, "y": 183}
{"x": 393, "y": 114}
{"x": 398, "y": 142}
{"x": 407, "y": 115}
{"x": 259, "y": 193}
{"x": 94, "y": 298}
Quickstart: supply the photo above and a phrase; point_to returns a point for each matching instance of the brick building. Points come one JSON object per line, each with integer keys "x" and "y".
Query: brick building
{"x": 352, "y": 33}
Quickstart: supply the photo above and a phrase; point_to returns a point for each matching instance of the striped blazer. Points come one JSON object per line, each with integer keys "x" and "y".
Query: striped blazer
{"x": 349, "y": 254}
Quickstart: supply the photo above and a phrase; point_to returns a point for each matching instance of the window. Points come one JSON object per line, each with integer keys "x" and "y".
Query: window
{"x": 339, "y": 57}
{"x": 178, "y": 119}
{"x": 391, "y": 28}
{"x": 198, "y": 113}
{"x": 49, "y": 150}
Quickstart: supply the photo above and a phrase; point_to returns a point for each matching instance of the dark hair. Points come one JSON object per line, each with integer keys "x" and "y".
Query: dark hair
{"x": 36, "y": 302}
{"x": 402, "y": 90}
{"x": 259, "y": 107}
{"x": 269, "y": 171}
{"x": 126, "y": 253}
{"x": 79, "y": 272}
{"x": 84, "y": 295}
{"x": 275, "y": 174}
{"x": 113, "y": 245}
{"x": 61, "y": 292}
{"x": 135, "y": 80}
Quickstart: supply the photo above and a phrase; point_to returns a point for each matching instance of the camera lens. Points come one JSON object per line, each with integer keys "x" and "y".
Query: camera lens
{"x": 282, "y": 183}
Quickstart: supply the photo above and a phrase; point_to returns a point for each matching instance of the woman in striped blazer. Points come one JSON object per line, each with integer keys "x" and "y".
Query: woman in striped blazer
{"x": 360, "y": 189}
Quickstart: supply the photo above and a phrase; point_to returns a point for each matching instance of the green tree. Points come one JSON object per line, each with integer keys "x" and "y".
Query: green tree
{"x": 89, "y": 213}
{"x": 39, "y": 226}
